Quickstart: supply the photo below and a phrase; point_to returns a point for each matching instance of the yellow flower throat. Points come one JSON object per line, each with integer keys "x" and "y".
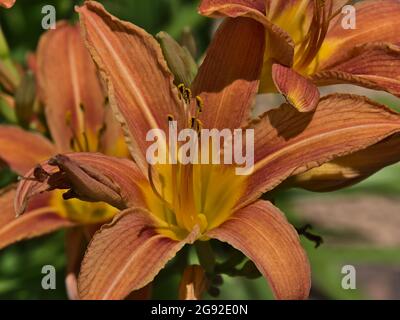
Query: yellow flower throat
{"x": 183, "y": 196}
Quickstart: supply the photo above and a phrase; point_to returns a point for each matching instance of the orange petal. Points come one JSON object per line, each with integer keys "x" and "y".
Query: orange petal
{"x": 33, "y": 224}
{"x": 7, "y": 3}
{"x": 38, "y": 221}
{"x": 289, "y": 142}
{"x": 125, "y": 256}
{"x": 282, "y": 49}
{"x": 264, "y": 235}
{"x": 293, "y": 16}
{"x": 7, "y": 205}
{"x": 207, "y": 7}
{"x": 375, "y": 66}
{"x": 377, "y": 21}
{"x": 300, "y": 92}
{"x": 351, "y": 169}
{"x": 22, "y": 150}
{"x": 123, "y": 173}
{"x": 144, "y": 293}
{"x": 228, "y": 79}
{"x": 140, "y": 85}
{"x": 276, "y": 8}
{"x": 80, "y": 89}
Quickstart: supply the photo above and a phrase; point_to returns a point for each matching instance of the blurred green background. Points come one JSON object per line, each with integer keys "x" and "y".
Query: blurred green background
{"x": 373, "y": 249}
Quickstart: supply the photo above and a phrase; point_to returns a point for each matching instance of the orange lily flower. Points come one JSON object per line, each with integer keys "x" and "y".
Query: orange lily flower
{"x": 308, "y": 46}
{"x": 78, "y": 121}
{"x": 308, "y": 37}
{"x": 7, "y": 3}
{"x": 169, "y": 206}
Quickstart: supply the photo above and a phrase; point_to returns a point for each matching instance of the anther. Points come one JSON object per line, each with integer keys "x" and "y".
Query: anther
{"x": 199, "y": 104}
{"x": 185, "y": 93}
{"x": 170, "y": 118}
{"x": 181, "y": 88}
{"x": 199, "y": 124}
{"x": 188, "y": 95}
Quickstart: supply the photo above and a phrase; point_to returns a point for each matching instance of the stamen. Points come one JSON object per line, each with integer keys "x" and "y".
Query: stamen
{"x": 199, "y": 125}
{"x": 103, "y": 128}
{"x": 316, "y": 34}
{"x": 199, "y": 104}
{"x": 181, "y": 88}
{"x": 100, "y": 135}
{"x": 153, "y": 187}
{"x": 192, "y": 122}
{"x": 170, "y": 118}
{"x": 74, "y": 139}
{"x": 85, "y": 138}
{"x": 72, "y": 143}
{"x": 185, "y": 93}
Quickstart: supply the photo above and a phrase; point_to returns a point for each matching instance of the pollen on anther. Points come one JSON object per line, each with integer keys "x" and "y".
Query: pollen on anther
{"x": 185, "y": 93}
{"x": 199, "y": 104}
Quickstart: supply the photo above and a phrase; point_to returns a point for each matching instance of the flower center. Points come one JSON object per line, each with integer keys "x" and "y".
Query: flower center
{"x": 80, "y": 211}
{"x": 183, "y": 196}
{"x": 307, "y": 22}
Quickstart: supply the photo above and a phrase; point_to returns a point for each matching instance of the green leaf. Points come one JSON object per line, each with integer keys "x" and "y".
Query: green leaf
{"x": 179, "y": 59}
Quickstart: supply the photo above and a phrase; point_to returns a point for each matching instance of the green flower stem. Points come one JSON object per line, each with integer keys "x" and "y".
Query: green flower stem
{"x": 206, "y": 256}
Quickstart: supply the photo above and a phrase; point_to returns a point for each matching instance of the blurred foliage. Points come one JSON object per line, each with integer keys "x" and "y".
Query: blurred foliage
{"x": 21, "y": 268}
{"x": 22, "y": 24}
{"x": 21, "y": 264}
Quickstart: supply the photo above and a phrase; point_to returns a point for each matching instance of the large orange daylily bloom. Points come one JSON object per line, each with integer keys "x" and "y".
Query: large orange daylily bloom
{"x": 308, "y": 46}
{"x": 78, "y": 120}
{"x": 7, "y": 3}
{"x": 169, "y": 206}
{"x": 308, "y": 37}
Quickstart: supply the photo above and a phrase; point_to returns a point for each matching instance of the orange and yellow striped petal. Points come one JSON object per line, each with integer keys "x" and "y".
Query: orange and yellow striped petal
{"x": 40, "y": 219}
{"x": 71, "y": 91}
{"x": 376, "y": 21}
{"x": 140, "y": 86}
{"x": 282, "y": 45}
{"x": 349, "y": 170}
{"x": 300, "y": 92}
{"x": 125, "y": 256}
{"x": 289, "y": 142}
{"x": 22, "y": 150}
{"x": 264, "y": 235}
{"x": 228, "y": 79}
{"x": 374, "y": 65}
